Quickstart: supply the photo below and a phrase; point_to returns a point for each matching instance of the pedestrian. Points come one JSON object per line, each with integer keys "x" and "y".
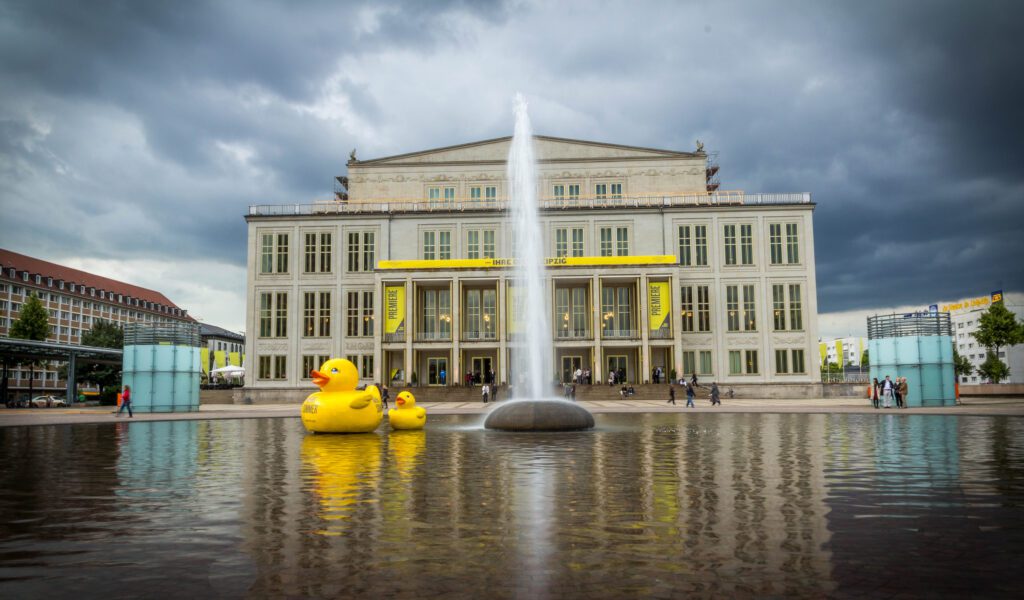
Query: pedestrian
{"x": 577, "y": 375}
{"x": 671, "y": 394}
{"x": 622, "y": 375}
{"x": 887, "y": 392}
{"x": 587, "y": 376}
{"x": 873, "y": 392}
{"x": 904, "y": 391}
{"x": 693, "y": 380}
{"x": 468, "y": 379}
{"x": 689, "y": 396}
{"x": 383, "y": 395}
{"x": 126, "y": 401}
{"x": 654, "y": 375}
{"x": 572, "y": 394}
{"x": 442, "y": 376}
{"x": 896, "y": 393}
{"x": 715, "y": 399}
{"x": 485, "y": 392}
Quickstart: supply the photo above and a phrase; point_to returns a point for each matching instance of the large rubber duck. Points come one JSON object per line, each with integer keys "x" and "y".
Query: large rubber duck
{"x": 405, "y": 414}
{"x": 339, "y": 407}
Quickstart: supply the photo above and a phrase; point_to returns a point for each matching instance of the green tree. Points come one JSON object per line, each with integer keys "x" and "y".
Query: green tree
{"x": 33, "y": 324}
{"x": 864, "y": 359}
{"x": 994, "y": 369}
{"x": 33, "y": 321}
{"x": 997, "y": 328}
{"x": 103, "y": 334}
{"x": 961, "y": 366}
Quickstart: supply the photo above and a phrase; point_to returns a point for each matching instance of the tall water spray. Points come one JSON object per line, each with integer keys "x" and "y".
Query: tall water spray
{"x": 530, "y": 329}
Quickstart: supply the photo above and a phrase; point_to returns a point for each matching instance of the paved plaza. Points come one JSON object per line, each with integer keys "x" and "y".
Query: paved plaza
{"x": 103, "y": 414}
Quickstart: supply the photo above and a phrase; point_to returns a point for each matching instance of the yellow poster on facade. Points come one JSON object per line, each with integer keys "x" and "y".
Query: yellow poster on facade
{"x": 658, "y": 305}
{"x": 204, "y": 358}
{"x": 394, "y": 309}
{"x": 219, "y": 358}
{"x": 235, "y": 358}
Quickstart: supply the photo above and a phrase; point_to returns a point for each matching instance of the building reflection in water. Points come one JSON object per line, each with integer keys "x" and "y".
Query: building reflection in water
{"x": 645, "y": 505}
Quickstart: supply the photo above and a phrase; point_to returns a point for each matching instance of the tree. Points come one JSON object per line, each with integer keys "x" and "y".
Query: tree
{"x": 33, "y": 324}
{"x": 33, "y": 321}
{"x": 103, "y": 334}
{"x": 864, "y": 359}
{"x": 997, "y": 328}
{"x": 961, "y": 366}
{"x": 994, "y": 369}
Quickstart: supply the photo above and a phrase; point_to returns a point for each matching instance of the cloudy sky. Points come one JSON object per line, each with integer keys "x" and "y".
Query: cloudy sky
{"x": 133, "y": 135}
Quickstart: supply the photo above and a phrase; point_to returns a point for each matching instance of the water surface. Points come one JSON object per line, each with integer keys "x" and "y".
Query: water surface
{"x": 657, "y": 505}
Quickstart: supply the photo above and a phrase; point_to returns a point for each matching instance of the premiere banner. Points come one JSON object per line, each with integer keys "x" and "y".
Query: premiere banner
{"x": 394, "y": 309}
{"x": 658, "y": 305}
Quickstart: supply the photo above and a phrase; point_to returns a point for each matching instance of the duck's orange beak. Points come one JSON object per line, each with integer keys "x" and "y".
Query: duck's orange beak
{"x": 400, "y": 401}
{"x": 319, "y": 378}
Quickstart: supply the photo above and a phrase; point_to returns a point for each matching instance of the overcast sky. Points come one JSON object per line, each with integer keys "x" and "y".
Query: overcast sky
{"x": 133, "y": 135}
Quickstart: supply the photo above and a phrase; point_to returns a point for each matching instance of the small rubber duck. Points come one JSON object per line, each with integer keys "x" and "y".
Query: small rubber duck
{"x": 405, "y": 414}
{"x": 339, "y": 407}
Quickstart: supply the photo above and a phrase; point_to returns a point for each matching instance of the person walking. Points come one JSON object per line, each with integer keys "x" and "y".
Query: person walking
{"x": 384, "y": 396}
{"x": 887, "y": 393}
{"x": 904, "y": 391}
{"x": 572, "y": 393}
{"x": 126, "y": 401}
{"x": 485, "y": 391}
{"x": 671, "y": 394}
{"x": 689, "y": 397}
{"x": 693, "y": 380}
{"x": 715, "y": 396}
{"x": 896, "y": 393}
{"x": 873, "y": 393}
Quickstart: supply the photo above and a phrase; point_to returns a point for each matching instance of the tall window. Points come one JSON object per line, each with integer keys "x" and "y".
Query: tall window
{"x": 316, "y": 314}
{"x": 473, "y": 243}
{"x": 441, "y": 196}
{"x": 794, "y": 308}
{"x": 571, "y": 312}
{"x": 729, "y": 238}
{"x": 614, "y": 241}
{"x": 775, "y": 242}
{"x": 689, "y": 362}
{"x": 436, "y": 314}
{"x": 732, "y": 306}
{"x": 781, "y": 362}
{"x": 317, "y": 253}
{"x": 481, "y": 318}
{"x": 311, "y": 362}
{"x": 359, "y": 314}
{"x": 685, "y": 250}
{"x": 705, "y": 362}
{"x": 273, "y": 253}
{"x": 273, "y": 314}
{"x": 281, "y": 314}
{"x": 746, "y": 244}
{"x": 796, "y": 320}
{"x": 366, "y": 372}
{"x": 750, "y": 362}
{"x": 735, "y": 362}
{"x": 798, "y": 361}
{"x": 367, "y": 326}
{"x": 749, "y": 309}
{"x": 362, "y": 253}
{"x": 352, "y": 314}
{"x": 601, "y": 191}
{"x": 696, "y": 316}
{"x": 569, "y": 241}
{"x": 558, "y": 191}
{"x": 779, "y": 307}
{"x": 429, "y": 245}
{"x": 487, "y": 193}
{"x": 792, "y": 244}
{"x": 743, "y": 362}
{"x": 437, "y": 245}
{"x": 617, "y": 311}
{"x": 693, "y": 245}
{"x": 263, "y": 371}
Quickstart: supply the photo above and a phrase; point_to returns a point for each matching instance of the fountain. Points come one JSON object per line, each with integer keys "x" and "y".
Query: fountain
{"x": 532, "y": 408}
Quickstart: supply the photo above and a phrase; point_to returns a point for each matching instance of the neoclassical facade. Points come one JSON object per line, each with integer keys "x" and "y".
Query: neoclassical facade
{"x": 407, "y": 272}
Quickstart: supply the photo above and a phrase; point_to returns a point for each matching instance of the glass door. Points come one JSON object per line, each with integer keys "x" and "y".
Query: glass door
{"x": 437, "y": 371}
{"x": 569, "y": 366}
{"x": 617, "y": 363}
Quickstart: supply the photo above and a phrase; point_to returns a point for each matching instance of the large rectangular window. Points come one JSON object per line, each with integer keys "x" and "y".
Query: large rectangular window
{"x": 435, "y": 310}
{"x": 705, "y": 362}
{"x": 569, "y": 241}
{"x": 775, "y": 242}
{"x": 700, "y": 245}
{"x": 368, "y": 316}
{"x": 746, "y": 244}
{"x": 779, "y": 307}
{"x": 273, "y": 314}
{"x": 696, "y": 316}
{"x": 429, "y": 245}
{"x": 473, "y": 243}
{"x": 606, "y": 241}
{"x": 689, "y": 362}
{"x": 317, "y": 256}
{"x": 614, "y": 241}
{"x": 685, "y": 249}
{"x": 437, "y": 245}
{"x": 487, "y": 193}
{"x": 316, "y": 314}
{"x": 729, "y": 239}
{"x": 281, "y": 315}
{"x": 793, "y": 309}
{"x": 359, "y": 315}
{"x": 617, "y": 311}
{"x": 796, "y": 320}
{"x": 310, "y": 363}
{"x": 792, "y": 244}
{"x": 686, "y": 301}
{"x": 732, "y": 307}
{"x": 781, "y": 362}
{"x": 481, "y": 318}
{"x": 273, "y": 253}
{"x": 571, "y": 312}
{"x": 703, "y": 308}
{"x": 749, "y": 309}
{"x": 735, "y": 362}
{"x": 798, "y": 361}
{"x": 441, "y": 196}
{"x": 362, "y": 251}
{"x": 750, "y": 362}
{"x": 561, "y": 242}
{"x": 621, "y": 241}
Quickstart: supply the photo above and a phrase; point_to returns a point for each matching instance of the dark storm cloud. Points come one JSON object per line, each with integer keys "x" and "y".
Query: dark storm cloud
{"x": 154, "y": 125}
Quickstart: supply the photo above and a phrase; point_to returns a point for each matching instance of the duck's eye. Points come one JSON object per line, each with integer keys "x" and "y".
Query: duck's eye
{"x": 334, "y": 370}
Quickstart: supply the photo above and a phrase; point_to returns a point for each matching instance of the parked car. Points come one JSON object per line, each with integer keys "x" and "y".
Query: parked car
{"x": 48, "y": 402}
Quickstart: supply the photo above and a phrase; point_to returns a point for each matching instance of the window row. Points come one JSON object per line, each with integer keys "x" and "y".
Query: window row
{"x": 316, "y": 314}
{"x": 275, "y": 366}
{"x": 318, "y": 252}
{"x": 741, "y": 307}
{"x": 738, "y": 244}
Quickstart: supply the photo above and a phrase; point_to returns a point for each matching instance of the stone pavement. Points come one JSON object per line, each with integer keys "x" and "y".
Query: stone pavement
{"x": 971, "y": 406}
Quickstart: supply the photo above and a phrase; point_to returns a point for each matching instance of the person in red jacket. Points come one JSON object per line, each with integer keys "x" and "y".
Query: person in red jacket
{"x": 126, "y": 400}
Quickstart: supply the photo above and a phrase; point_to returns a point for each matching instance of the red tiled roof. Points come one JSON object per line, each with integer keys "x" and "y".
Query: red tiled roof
{"x": 46, "y": 269}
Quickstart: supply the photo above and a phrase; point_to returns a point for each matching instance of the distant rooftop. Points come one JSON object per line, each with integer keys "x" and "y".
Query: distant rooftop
{"x": 206, "y": 330}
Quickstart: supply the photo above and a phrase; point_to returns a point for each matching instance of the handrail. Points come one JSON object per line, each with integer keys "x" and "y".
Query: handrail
{"x": 397, "y": 205}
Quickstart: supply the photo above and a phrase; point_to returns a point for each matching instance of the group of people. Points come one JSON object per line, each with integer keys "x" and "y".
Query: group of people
{"x": 489, "y": 391}
{"x": 884, "y": 393}
{"x": 691, "y": 392}
{"x": 471, "y": 378}
{"x": 657, "y": 374}
{"x": 582, "y": 376}
{"x": 616, "y": 376}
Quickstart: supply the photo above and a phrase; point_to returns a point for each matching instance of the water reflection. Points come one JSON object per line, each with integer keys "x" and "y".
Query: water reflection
{"x": 646, "y": 505}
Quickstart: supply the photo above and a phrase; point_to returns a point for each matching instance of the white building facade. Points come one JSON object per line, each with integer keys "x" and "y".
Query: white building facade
{"x": 408, "y": 274}
{"x": 965, "y": 318}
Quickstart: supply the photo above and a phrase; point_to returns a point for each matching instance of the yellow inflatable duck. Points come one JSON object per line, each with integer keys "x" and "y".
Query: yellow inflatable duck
{"x": 338, "y": 407}
{"x": 405, "y": 414}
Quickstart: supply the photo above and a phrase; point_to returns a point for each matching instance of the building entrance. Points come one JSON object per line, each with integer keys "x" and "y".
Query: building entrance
{"x": 481, "y": 366}
{"x": 569, "y": 366}
{"x": 617, "y": 363}
{"x": 437, "y": 371}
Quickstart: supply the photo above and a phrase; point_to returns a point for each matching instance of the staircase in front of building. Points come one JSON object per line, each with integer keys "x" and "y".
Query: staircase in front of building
{"x": 583, "y": 392}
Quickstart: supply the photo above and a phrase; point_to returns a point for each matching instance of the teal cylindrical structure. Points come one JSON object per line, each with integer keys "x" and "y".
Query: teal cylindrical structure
{"x": 918, "y": 346}
{"x": 162, "y": 367}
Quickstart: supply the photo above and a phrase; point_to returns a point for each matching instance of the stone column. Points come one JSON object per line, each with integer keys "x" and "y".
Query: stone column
{"x": 456, "y": 327}
{"x": 595, "y": 325}
{"x": 411, "y": 323}
{"x": 645, "y": 350}
{"x": 677, "y": 325}
{"x": 501, "y": 369}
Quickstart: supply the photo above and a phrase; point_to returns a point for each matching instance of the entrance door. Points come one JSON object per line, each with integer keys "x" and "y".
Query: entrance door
{"x": 569, "y": 366}
{"x": 437, "y": 371}
{"x": 617, "y": 363}
{"x": 481, "y": 366}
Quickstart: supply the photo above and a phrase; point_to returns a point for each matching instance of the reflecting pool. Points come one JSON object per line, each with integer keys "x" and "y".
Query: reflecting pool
{"x": 656, "y": 505}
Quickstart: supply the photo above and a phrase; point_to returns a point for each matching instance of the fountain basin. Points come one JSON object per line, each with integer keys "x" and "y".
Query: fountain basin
{"x": 539, "y": 415}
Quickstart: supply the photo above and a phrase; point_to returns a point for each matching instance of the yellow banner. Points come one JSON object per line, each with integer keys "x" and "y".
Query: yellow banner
{"x": 219, "y": 358}
{"x": 658, "y": 304}
{"x": 394, "y": 309}
{"x": 204, "y": 357}
{"x": 511, "y": 318}
{"x": 235, "y": 359}
{"x": 840, "y": 352}
{"x": 500, "y": 263}
{"x": 823, "y": 350}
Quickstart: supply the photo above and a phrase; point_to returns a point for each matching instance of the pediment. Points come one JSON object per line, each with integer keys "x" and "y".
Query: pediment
{"x": 546, "y": 148}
